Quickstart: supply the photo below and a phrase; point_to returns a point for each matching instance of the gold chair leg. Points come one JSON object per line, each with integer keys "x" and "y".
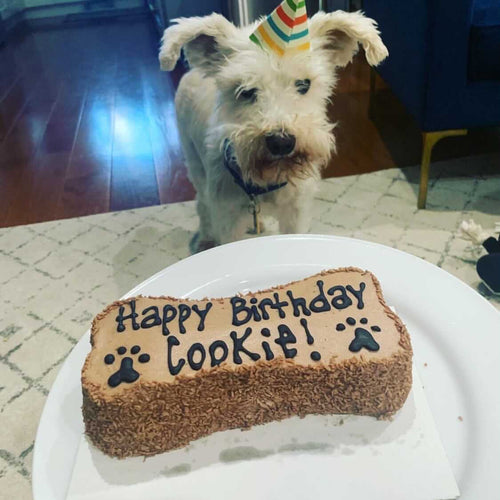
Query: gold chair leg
{"x": 429, "y": 140}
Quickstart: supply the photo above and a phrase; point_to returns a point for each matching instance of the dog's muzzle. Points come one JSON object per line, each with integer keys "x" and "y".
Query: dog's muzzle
{"x": 251, "y": 189}
{"x": 280, "y": 144}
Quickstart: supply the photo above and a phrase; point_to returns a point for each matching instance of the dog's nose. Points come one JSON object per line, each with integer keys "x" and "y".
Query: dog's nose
{"x": 280, "y": 144}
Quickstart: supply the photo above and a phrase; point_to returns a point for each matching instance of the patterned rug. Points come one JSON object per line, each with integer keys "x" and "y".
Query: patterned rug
{"x": 55, "y": 276}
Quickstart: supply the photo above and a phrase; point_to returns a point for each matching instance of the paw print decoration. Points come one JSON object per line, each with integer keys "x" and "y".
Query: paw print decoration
{"x": 363, "y": 339}
{"x": 126, "y": 372}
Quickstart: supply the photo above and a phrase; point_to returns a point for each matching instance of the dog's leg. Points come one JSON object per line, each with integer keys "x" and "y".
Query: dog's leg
{"x": 294, "y": 219}
{"x": 294, "y": 207}
{"x": 203, "y": 239}
{"x": 232, "y": 220}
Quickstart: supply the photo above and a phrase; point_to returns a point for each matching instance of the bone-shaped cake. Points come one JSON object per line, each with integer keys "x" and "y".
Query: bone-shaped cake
{"x": 164, "y": 371}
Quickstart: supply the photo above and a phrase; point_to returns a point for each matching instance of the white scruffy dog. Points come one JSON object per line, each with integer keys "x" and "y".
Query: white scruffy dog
{"x": 264, "y": 117}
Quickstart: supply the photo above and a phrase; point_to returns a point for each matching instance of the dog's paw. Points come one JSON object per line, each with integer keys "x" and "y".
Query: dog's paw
{"x": 269, "y": 225}
{"x": 198, "y": 245}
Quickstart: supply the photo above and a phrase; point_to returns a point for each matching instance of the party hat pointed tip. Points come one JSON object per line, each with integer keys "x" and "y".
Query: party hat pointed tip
{"x": 285, "y": 29}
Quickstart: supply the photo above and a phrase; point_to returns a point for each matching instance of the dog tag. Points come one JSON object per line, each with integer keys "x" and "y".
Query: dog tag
{"x": 254, "y": 209}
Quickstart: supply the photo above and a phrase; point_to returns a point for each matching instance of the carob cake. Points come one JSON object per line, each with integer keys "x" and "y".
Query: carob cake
{"x": 164, "y": 371}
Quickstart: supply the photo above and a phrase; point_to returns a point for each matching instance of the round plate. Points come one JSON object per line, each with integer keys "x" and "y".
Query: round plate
{"x": 457, "y": 347}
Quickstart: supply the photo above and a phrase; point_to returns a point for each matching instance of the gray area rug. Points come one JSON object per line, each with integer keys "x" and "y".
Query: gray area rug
{"x": 55, "y": 276}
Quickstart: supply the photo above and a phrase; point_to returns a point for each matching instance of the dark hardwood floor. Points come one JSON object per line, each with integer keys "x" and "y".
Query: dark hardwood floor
{"x": 87, "y": 124}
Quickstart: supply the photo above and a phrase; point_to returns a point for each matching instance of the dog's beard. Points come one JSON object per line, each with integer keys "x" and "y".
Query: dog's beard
{"x": 260, "y": 167}
{"x": 270, "y": 170}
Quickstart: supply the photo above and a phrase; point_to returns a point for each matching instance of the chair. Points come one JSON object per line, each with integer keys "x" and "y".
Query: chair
{"x": 443, "y": 64}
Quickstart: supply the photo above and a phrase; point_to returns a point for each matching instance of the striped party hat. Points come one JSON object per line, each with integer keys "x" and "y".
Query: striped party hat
{"x": 285, "y": 29}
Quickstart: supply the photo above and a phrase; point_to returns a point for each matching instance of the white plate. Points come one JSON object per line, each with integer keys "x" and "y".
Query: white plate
{"x": 457, "y": 357}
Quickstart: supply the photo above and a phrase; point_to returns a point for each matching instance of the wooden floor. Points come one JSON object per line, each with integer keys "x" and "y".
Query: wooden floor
{"x": 87, "y": 124}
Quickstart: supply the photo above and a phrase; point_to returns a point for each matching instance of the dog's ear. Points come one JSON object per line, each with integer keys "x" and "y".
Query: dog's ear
{"x": 206, "y": 41}
{"x": 340, "y": 33}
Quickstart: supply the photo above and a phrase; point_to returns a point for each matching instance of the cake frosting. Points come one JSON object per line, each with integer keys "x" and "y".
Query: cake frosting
{"x": 163, "y": 371}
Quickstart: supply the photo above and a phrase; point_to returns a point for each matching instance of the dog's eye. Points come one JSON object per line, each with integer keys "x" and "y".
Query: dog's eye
{"x": 249, "y": 95}
{"x": 303, "y": 85}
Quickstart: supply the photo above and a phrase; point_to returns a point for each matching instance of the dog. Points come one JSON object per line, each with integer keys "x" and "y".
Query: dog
{"x": 253, "y": 126}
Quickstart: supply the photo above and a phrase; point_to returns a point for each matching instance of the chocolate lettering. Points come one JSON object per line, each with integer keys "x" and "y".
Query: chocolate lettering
{"x": 173, "y": 369}
{"x": 341, "y": 300}
{"x": 267, "y": 350}
{"x": 310, "y": 338}
{"x": 286, "y": 337}
{"x": 217, "y": 344}
{"x": 239, "y": 307}
{"x": 255, "y": 313}
{"x": 132, "y": 316}
{"x": 320, "y": 302}
{"x": 262, "y": 306}
{"x": 152, "y": 319}
{"x": 184, "y": 313}
{"x": 169, "y": 313}
{"x": 279, "y": 305}
{"x": 238, "y": 347}
{"x": 315, "y": 356}
{"x": 358, "y": 293}
{"x": 202, "y": 313}
{"x": 298, "y": 303}
{"x": 196, "y": 347}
